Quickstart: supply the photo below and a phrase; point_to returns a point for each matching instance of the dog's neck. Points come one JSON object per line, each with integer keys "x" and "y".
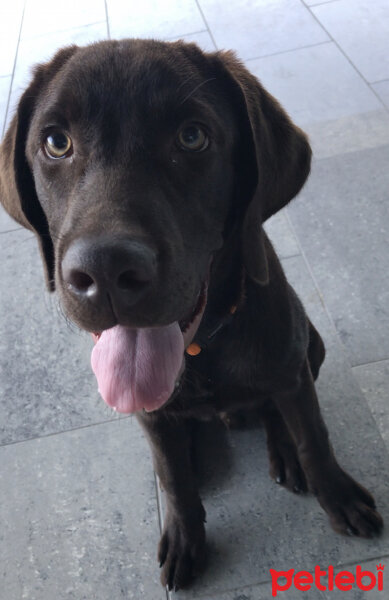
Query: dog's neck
{"x": 226, "y": 293}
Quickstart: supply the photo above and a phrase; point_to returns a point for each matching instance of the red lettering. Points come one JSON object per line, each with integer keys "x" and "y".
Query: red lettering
{"x": 318, "y": 574}
{"x": 275, "y": 586}
{"x": 330, "y": 578}
{"x": 344, "y": 580}
{"x": 363, "y": 586}
{"x": 303, "y": 581}
{"x": 380, "y": 577}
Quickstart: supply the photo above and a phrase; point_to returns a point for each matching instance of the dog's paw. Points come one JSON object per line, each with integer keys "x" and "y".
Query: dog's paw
{"x": 351, "y": 508}
{"x": 181, "y": 551}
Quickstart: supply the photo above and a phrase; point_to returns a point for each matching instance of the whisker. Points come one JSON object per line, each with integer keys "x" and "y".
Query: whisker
{"x": 61, "y": 313}
{"x": 196, "y": 88}
{"x": 185, "y": 81}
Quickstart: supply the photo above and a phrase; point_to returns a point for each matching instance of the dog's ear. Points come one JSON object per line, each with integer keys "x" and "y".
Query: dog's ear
{"x": 17, "y": 188}
{"x": 273, "y": 159}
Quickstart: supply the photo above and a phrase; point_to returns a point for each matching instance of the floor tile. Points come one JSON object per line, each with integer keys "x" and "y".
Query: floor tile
{"x": 5, "y": 83}
{"x": 362, "y": 31}
{"x": 341, "y": 221}
{"x": 315, "y": 2}
{"x": 6, "y": 223}
{"x": 41, "y": 49}
{"x": 254, "y": 525}
{"x": 297, "y": 79}
{"x": 256, "y": 592}
{"x": 374, "y": 382}
{"x": 202, "y": 39}
{"x": 282, "y": 235}
{"x": 10, "y": 23}
{"x": 382, "y": 89}
{"x": 324, "y": 94}
{"x": 349, "y": 134}
{"x": 257, "y": 28}
{"x": 79, "y": 517}
{"x": 167, "y": 18}
{"x": 47, "y": 384}
{"x": 44, "y": 16}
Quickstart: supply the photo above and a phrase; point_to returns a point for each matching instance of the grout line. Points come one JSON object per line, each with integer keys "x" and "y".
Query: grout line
{"x": 377, "y": 95}
{"x": 182, "y": 35}
{"x": 383, "y": 105}
{"x": 312, "y": 275}
{"x": 206, "y": 24}
{"x": 379, "y": 81}
{"x": 70, "y": 430}
{"x": 51, "y": 32}
{"x": 310, "y": 271}
{"x": 332, "y": 324}
{"x": 13, "y": 72}
{"x": 107, "y": 19}
{"x": 373, "y": 362}
{"x": 352, "y": 563}
{"x": 290, "y": 50}
{"x": 160, "y": 515}
{"x": 159, "y": 501}
{"x": 20, "y": 39}
{"x": 319, "y": 3}
{"x": 12, "y": 230}
{"x": 296, "y": 255}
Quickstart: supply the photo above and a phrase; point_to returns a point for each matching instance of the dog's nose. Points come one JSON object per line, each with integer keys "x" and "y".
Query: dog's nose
{"x": 120, "y": 267}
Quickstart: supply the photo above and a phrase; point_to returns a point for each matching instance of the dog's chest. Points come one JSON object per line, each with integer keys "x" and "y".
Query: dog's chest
{"x": 215, "y": 382}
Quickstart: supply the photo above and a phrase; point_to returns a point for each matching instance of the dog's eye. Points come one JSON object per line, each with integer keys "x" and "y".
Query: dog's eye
{"x": 58, "y": 145}
{"x": 193, "y": 138}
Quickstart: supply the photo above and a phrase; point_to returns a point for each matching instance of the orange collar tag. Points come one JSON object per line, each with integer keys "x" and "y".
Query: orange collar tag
{"x": 193, "y": 349}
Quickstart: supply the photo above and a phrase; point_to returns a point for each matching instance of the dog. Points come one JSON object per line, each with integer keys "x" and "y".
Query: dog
{"x": 146, "y": 169}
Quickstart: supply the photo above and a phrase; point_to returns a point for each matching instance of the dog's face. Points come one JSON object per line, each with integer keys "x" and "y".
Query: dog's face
{"x": 132, "y": 154}
{"x": 135, "y": 163}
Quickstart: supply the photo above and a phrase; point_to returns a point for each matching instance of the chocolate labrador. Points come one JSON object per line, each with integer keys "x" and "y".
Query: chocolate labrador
{"x": 146, "y": 170}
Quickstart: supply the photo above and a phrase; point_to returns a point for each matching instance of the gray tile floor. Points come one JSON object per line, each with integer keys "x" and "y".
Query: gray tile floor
{"x": 79, "y": 507}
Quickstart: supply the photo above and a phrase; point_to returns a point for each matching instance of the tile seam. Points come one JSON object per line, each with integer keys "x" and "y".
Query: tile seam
{"x": 13, "y": 72}
{"x": 343, "y": 52}
{"x": 206, "y": 24}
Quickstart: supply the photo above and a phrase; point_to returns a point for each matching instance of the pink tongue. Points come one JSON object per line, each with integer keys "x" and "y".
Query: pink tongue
{"x": 138, "y": 368}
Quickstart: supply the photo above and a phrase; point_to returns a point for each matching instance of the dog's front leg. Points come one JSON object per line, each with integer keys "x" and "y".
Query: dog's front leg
{"x": 350, "y": 507}
{"x": 182, "y": 545}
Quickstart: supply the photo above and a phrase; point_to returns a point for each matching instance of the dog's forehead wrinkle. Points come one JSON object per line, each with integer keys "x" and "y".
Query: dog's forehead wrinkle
{"x": 158, "y": 78}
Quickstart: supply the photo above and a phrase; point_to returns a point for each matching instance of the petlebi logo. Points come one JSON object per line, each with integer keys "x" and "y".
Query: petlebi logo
{"x": 327, "y": 580}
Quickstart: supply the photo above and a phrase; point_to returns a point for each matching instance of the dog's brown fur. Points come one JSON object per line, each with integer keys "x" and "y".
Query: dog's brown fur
{"x": 123, "y": 103}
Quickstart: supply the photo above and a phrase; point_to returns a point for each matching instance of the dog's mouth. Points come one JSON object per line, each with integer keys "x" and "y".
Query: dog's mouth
{"x": 140, "y": 368}
{"x": 188, "y": 322}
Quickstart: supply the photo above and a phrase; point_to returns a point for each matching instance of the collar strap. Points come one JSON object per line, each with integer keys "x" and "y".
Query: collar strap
{"x": 195, "y": 347}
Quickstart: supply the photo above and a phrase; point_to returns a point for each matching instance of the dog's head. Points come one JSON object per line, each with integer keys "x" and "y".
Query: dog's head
{"x": 133, "y": 161}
